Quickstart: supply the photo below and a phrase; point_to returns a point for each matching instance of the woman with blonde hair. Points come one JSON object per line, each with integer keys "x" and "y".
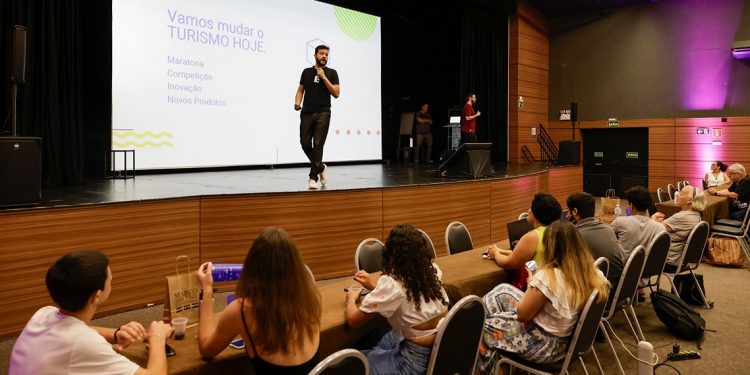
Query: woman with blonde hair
{"x": 691, "y": 201}
{"x": 276, "y": 311}
{"x": 536, "y": 325}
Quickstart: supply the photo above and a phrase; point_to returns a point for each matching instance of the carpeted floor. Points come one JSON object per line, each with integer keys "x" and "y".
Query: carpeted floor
{"x": 723, "y": 351}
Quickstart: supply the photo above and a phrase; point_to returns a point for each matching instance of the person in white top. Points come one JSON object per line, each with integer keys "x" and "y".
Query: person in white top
{"x": 679, "y": 225}
{"x": 536, "y": 325}
{"x": 61, "y": 340}
{"x": 717, "y": 176}
{"x": 410, "y": 295}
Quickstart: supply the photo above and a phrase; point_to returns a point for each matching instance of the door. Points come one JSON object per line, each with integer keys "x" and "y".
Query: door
{"x": 614, "y": 159}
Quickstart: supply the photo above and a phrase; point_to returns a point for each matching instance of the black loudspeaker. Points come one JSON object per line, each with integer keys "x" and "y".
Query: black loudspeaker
{"x": 574, "y": 112}
{"x": 20, "y": 171}
{"x": 471, "y": 159}
{"x": 18, "y": 54}
{"x": 570, "y": 152}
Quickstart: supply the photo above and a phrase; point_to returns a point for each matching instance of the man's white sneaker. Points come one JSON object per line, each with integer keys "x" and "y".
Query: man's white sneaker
{"x": 312, "y": 184}
{"x": 324, "y": 175}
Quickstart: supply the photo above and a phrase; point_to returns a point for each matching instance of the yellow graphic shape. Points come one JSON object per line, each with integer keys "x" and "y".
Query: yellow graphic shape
{"x": 124, "y": 139}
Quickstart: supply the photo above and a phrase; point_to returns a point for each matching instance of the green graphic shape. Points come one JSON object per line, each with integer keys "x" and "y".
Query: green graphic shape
{"x": 358, "y": 26}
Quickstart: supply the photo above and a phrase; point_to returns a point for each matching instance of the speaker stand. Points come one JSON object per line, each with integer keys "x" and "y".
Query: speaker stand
{"x": 13, "y": 101}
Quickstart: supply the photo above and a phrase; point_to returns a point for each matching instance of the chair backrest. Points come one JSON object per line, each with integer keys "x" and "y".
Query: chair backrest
{"x": 523, "y": 215}
{"x": 631, "y": 274}
{"x": 680, "y": 185}
{"x": 310, "y": 272}
{"x": 705, "y": 184}
{"x": 369, "y": 255}
{"x": 457, "y": 238}
{"x": 457, "y": 341}
{"x": 660, "y": 195}
{"x": 343, "y": 362}
{"x": 656, "y": 255}
{"x": 585, "y": 330}
{"x": 603, "y": 265}
{"x": 685, "y": 183}
{"x": 694, "y": 246}
{"x": 429, "y": 243}
{"x": 672, "y": 190}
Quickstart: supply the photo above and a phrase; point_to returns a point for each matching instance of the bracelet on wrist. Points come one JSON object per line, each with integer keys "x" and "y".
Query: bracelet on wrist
{"x": 212, "y": 291}
{"x": 114, "y": 337}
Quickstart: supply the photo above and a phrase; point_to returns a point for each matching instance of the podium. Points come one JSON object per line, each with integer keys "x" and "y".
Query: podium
{"x": 471, "y": 159}
{"x": 454, "y": 135}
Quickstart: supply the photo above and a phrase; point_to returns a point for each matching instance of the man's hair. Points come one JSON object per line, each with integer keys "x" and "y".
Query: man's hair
{"x": 545, "y": 208}
{"x": 583, "y": 202}
{"x": 320, "y": 47}
{"x": 73, "y": 278}
{"x": 739, "y": 168}
{"x": 639, "y": 197}
{"x": 470, "y": 94}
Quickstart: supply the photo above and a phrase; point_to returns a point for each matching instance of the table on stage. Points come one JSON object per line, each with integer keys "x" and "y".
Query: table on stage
{"x": 716, "y": 208}
{"x": 466, "y": 270}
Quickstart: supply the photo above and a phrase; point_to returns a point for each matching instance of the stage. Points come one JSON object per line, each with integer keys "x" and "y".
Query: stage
{"x": 144, "y": 223}
{"x": 280, "y": 179}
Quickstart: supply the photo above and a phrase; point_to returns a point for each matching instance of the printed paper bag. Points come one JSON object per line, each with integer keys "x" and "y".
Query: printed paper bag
{"x": 609, "y": 201}
{"x": 183, "y": 293}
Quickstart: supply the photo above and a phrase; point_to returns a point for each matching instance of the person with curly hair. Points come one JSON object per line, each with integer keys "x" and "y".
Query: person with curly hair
{"x": 277, "y": 310}
{"x": 410, "y": 295}
{"x": 536, "y": 325}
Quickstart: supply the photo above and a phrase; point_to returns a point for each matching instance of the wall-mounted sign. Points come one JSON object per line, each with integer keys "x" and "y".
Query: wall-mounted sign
{"x": 613, "y": 123}
{"x": 631, "y": 155}
{"x": 564, "y": 115}
{"x": 598, "y": 154}
{"x": 701, "y": 131}
{"x": 716, "y": 132}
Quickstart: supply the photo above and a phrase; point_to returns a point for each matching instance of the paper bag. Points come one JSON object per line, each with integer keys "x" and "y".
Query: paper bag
{"x": 183, "y": 293}
{"x": 609, "y": 201}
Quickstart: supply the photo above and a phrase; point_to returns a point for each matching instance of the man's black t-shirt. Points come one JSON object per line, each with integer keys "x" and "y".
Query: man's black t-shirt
{"x": 317, "y": 98}
{"x": 742, "y": 188}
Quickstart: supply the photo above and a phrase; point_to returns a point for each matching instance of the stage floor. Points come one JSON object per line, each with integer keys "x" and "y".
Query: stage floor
{"x": 145, "y": 187}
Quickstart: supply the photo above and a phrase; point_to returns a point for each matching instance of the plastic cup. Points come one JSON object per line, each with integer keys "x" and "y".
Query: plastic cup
{"x": 180, "y": 326}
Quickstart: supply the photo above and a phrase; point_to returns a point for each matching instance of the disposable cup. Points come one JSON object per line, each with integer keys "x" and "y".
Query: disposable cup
{"x": 180, "y": 326}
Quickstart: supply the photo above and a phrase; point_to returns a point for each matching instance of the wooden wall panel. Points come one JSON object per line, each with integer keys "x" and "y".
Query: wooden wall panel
{"x": 327, "y": 226}
{"x": 511, "y": 197}
{"x": 564, "y": 181}
{"x": 142, "y": 241}
{"x": 431, "y": 208}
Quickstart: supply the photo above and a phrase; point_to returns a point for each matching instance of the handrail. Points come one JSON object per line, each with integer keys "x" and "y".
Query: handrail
{"x": 550, "y": 154}
{"x": 527, "y": 155}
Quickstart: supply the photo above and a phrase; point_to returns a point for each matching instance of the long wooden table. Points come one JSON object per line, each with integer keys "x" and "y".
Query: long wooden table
{"x": 716, "y": 208}
{"x": 467, "y": 271}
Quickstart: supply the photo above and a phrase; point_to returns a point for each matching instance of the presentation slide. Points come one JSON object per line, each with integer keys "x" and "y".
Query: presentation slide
{"x": 211, "y": 83}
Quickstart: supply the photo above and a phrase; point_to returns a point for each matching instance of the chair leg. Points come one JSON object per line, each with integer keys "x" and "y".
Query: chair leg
{"x": 596, "y": 357}
{"x": 602, "y": 325}
{"x": 703, "y": 296}
{"x": 639, "y": 336}
{"x": 671, "y": 282}
{"x": 582, "y": 365}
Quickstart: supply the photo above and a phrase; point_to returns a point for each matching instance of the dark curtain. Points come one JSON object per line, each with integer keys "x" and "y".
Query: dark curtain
{"x": 49, "y": 103}
{"x": 484, "y": 71}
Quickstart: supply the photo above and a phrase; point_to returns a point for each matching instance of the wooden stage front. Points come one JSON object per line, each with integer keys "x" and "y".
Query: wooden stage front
{"x": 142, "y": 224}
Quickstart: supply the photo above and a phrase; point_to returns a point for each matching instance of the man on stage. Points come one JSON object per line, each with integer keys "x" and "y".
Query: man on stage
{"x": 316, "y": 84}
{"x": 469, "y": 120}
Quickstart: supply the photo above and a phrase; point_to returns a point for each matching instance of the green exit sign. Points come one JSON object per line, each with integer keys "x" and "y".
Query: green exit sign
{"x": 631, "y": 155}
{"x": 598, "y": 154}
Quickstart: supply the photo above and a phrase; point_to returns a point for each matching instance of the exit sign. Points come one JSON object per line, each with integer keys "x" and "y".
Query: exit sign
{"x": 702, "y": 131}
{"x": 716, "y": 132}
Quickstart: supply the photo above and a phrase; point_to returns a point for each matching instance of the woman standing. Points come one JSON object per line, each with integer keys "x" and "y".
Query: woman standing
{"x": 410, "y": 295}
{"x": 536, "y": 325}
{"x": 277, "y": 309}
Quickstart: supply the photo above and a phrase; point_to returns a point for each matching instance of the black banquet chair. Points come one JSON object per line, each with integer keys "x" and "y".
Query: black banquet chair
{"x": 457, "y": 238}
{"x": 343, "y": 362}
{"x": 457, "y": 342}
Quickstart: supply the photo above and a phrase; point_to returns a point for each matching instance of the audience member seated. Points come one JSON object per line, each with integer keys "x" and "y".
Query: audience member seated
{"x": 739, "y": 191}
{"x": 544, "y": 210}
{"x": 638, "y": 228}
{"x": 598, "y": 236}
{"x": 410, "y": 295}
{"x": 716, "y": 176}
{"x": 276, "y": 311}
{"x": 62, "y": 341}
{"x": 537, "y": 325}
{"x": 679, "y": 225}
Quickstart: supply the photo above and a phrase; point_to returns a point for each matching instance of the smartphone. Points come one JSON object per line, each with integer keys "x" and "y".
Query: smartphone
{"x": 237, "y": 344}
{"x": 168, "y": 349}
{"x": 364, "y": 291}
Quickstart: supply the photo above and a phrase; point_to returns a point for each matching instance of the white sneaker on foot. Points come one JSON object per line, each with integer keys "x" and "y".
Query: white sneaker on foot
{"x": 312, "y": 184}
{"x": 324, "y": 175}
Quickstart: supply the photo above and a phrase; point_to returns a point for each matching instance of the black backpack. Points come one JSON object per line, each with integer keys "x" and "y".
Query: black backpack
{"x": 678, "y": 316}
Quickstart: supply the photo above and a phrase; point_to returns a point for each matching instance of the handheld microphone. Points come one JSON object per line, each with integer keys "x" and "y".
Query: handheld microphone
{"x": 316, "y": 79}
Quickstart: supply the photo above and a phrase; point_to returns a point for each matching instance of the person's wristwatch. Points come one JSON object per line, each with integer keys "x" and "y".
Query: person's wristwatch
{"x": 297, "y": 107}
